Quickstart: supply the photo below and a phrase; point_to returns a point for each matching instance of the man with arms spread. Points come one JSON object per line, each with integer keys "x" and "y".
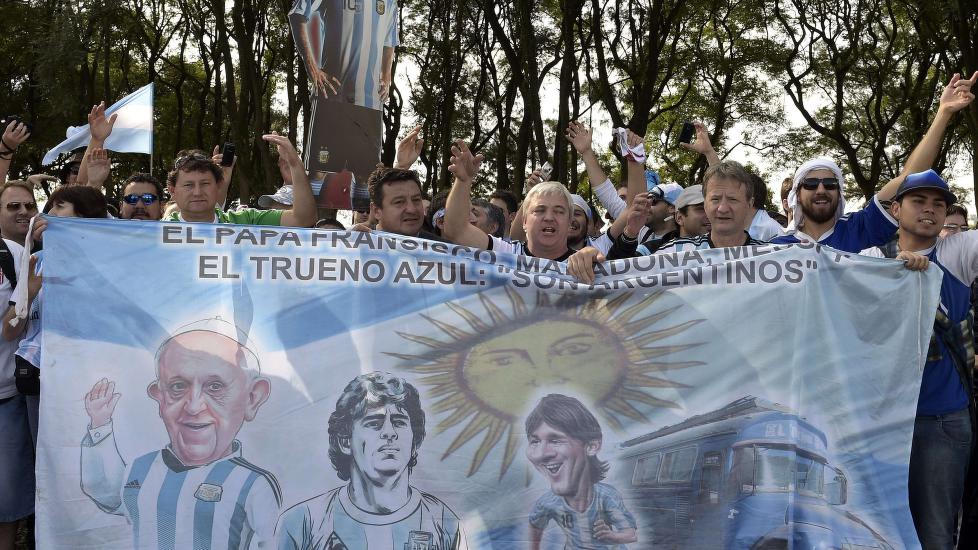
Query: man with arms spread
{"x": 195, "y": 185}
{"x": 374, "y": 436}
{"x": 816, "y": 196}
{"x": 198, "y": 492}
{"x": 563, "y": 440}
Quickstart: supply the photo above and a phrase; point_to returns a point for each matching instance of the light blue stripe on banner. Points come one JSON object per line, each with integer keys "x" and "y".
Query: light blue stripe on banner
{"x": 137, "y": 473}
{"x": 204, "y": 510}
{"x": 238, "y": 519}
{"x": 166, "y": 509}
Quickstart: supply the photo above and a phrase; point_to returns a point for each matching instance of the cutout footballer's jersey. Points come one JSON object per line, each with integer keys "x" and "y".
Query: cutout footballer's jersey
{"x": 331, "y": 521}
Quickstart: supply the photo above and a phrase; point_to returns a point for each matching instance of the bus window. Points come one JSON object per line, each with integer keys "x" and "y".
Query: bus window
{"x": 741, "y": 477}
{"x": 836, "y": 488}
{"x": 646, "y": 469}
{"x": 782, "y": 470}
{"x": 710, "y": 479}
{"x": 677, "y": 465}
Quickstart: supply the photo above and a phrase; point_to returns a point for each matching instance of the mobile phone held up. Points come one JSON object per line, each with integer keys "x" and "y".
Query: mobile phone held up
{"x": 227, "y": 154}
{"x": 686, "y": 135}
{"x": 545, "y": 171}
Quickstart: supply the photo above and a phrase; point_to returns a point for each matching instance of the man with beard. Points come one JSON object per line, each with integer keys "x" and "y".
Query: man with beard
{"x": 816, "y": 198}
{"x": 942, "y": 429}
{"x": 142, "y": 198}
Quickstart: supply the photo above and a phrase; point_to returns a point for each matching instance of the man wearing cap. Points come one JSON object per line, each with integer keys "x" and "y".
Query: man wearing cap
{"x": 690, "y": 214}
{"x": 943, "y": 427}
{"x": 198, "y": 491}
{"x": 818, "y": 204}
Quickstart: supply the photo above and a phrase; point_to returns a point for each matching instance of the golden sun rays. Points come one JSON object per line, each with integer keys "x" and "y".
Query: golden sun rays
{"x": 484, "y": 370}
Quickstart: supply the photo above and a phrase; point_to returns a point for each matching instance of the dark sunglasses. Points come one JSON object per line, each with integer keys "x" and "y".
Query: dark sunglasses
{"x": 811, "y": 184}
{"x": 147, "y": 198}
{"x": 15, "y": 206}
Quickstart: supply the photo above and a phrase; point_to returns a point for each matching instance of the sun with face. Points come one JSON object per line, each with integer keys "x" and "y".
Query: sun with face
{"x": 486, "y": 370}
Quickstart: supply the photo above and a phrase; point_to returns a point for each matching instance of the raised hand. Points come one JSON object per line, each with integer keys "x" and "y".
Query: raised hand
{"x": 409, "y": 149}
{"x": 99, "y": 166}
{"x": 638, "y": 215}
{"x": 580, "y": 137}
{"x": 702, "y": 143}
{"x": 958, "y": 93}
{"x": 285, "y": 148}
{"x": 99, "y": 126}
{"x": 464, "y": 164}
{"x": 634, "y": 139}
{"x": 100, "y": 403}
{"x": 533, "y": 178}
{"x": 13, "y": 135}
{"x": 226, "y": 171}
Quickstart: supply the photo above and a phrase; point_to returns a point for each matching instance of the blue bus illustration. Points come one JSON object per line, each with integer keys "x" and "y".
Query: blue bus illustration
{"x": 749, "y": 475}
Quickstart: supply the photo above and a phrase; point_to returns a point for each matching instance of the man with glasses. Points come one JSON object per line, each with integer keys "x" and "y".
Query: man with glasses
{"x": 195, "y": 184}
{"x": 141, "y": 198}
{"x": 17, "y": 205}
{"x": 956, "y": 220}
{"x": 818, "y": 204}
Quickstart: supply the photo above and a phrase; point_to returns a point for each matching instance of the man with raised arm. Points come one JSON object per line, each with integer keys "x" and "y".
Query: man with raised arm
{"x": 195, "y": 185}
{"x": 818, "y": 204}
{"x": 547, "y": 213}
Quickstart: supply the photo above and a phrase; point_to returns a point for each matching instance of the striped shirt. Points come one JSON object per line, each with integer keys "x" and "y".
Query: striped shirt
{"x": 229, "y": 503}
{"x": 348, "y": 38}
{"x": 606, "y": 505}
{"x": 331, "y": 520}
{"x": 699, "y": 242}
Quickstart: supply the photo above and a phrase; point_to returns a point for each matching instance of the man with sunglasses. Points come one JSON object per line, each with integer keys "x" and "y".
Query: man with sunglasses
{"x": 16, "y": 443}
{"x": 141, "y": 198}
{"x": 818, "y": 204}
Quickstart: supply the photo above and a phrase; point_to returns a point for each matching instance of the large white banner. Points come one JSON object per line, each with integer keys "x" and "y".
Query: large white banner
{"x": 210, "y": 386}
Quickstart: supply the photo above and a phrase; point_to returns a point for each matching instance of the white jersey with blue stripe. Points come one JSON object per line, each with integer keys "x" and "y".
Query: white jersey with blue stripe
{"x": 853, "y": 232}
{"x": 352, "y": 35}
{"x": 606, "y": 505}
{"x": 331, "y": 521}
{"x": 229, "y": 503}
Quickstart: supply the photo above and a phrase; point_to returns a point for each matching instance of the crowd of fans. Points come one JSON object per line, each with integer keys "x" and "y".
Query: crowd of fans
{"x": 914, "y": 217}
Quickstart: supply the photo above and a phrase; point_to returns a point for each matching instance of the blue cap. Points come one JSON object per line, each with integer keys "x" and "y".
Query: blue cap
{"x": 926, "y": 180}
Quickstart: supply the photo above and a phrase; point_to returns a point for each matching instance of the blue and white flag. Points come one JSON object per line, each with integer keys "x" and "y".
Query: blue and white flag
{"x": 132, "y": 132}
{"x": 216, "y": 386}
